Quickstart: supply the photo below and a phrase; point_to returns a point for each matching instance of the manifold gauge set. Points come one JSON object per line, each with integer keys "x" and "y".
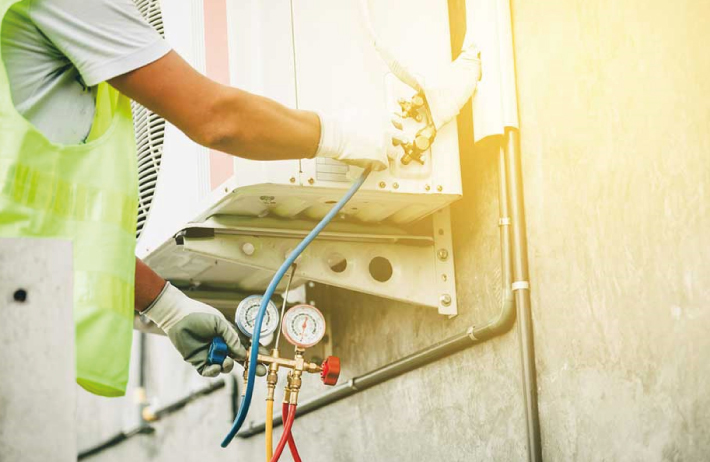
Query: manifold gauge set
{"x": 303, "y": 326}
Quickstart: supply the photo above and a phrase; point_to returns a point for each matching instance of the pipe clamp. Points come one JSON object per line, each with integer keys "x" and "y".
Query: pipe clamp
{"x": 504, "y": 221}
{"x": 520, "y": 285}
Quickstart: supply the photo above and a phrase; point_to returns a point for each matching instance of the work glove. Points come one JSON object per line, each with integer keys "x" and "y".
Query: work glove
{"x": 191, "y": 326}
{"x": 362, "y": 150}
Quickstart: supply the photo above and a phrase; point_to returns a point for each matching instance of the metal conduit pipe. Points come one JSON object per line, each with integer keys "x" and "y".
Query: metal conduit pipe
{"x": 521, "y": 289}
{"x": 144, "y": 428}
{"x": 474, "y": 335}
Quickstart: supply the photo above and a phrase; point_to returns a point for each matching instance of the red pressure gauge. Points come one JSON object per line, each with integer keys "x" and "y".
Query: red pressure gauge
{"x": 303, "y": 326}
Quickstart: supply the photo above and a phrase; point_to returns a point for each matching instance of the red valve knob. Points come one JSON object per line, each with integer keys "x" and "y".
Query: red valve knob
{"x": 330, "y": 370}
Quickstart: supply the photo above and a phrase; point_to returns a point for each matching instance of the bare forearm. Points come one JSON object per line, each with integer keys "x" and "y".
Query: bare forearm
{"x": 148, "y": 286}
{"x": 221, "y": 117}
{"x": 258, "y": 128}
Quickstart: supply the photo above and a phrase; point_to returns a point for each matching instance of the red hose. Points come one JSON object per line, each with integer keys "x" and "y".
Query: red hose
{"x": 286, "y": 435}
{"x": 285, "y": 410}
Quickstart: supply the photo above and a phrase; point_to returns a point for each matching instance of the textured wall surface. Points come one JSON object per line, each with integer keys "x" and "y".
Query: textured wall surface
{"x": 615, "y": 113}
{"x": 616, "y": 155}
{"x": 37, "y": 390}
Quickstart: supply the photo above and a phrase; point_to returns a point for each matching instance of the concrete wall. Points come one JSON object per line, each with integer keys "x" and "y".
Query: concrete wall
{"x": 616, "y": 153}
{"x": 37, "y": 388}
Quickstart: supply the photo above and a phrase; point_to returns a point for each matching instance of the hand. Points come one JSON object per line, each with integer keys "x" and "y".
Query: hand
{"x": 191, "y": 325}
{"x": 340, "y": 143}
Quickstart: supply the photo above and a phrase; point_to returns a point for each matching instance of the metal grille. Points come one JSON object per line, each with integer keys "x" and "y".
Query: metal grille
{"x": 149, "y": 130}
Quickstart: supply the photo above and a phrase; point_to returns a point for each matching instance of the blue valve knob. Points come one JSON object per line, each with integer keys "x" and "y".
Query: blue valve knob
{"x": 217, "y": 352}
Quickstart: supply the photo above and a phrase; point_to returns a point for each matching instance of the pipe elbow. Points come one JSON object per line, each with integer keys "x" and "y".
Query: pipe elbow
{"x": 500, "y": 325}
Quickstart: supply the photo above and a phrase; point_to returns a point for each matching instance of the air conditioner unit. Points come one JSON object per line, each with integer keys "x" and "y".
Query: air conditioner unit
{"x": 222, "y": 222}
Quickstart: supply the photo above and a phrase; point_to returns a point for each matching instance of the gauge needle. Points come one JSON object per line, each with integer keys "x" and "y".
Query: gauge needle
{"x": 305, "y": 324}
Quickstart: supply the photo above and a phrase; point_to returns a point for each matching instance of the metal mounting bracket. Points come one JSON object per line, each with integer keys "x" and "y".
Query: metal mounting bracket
{"x": 410, "y": 269}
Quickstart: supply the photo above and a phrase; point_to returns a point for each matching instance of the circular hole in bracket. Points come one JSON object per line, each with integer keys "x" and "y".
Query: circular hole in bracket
{"x": 337, "y": 263}
{"x": 380, "y": 269}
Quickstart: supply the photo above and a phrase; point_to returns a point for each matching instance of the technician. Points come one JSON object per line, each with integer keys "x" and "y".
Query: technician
{"x": 68, "y": 163}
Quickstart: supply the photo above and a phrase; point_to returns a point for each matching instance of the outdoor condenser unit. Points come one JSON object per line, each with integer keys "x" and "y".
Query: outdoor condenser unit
{"x": 224, "y": 223}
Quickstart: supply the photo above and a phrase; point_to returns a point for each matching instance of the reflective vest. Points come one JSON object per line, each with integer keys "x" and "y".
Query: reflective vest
{"x": 87, "y": 193}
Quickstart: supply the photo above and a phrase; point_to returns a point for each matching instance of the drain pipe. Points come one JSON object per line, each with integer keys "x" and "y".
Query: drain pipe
{"x": 474, "y": 335}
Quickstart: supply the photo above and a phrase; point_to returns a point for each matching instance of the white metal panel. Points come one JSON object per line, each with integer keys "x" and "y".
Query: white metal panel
{"x": 261, "y": 62}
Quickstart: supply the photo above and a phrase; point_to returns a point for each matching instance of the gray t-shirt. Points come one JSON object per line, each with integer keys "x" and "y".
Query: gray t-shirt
{"x": 57, "y": 51}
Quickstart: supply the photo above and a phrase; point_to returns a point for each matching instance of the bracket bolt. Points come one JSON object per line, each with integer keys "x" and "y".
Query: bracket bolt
{"x": 248, "y": 249}
{"x": 382, "y": 184}
{"x": 311, "y": 181}
{"x": 292, "y": 179}
{"x": 395, "y": 185}
{"x": 427, "y": 187}
{"x": 445, "y": 299}
{"x": 442, "y": 254}
{"x": 439, "y": 188}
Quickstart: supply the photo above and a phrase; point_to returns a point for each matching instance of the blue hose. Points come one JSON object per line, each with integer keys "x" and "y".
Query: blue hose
{"x": 246, "y": 402}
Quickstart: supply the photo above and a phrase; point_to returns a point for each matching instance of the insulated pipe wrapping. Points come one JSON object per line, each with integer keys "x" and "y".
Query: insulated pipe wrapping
{"x": 401, "y": 71}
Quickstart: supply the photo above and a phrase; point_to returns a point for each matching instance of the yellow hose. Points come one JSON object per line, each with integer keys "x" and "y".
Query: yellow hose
{"x": 269, "y": 429}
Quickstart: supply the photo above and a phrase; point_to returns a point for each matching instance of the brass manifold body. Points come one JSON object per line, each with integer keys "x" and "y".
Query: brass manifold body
{"x": 298, "y": 366}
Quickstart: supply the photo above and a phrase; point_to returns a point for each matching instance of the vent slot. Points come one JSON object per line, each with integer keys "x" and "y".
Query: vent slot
{"x": 149, "y": 131}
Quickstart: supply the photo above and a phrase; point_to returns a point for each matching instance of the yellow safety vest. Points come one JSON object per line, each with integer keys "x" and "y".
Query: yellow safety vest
{"x": 87, "y": 193}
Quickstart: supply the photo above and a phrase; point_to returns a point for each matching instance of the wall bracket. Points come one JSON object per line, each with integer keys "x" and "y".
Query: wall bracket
{"x": 413, "y": 269}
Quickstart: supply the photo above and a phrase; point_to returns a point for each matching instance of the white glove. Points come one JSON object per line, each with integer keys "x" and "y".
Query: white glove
{"x": 448, "y": 93}
{"x": 339, "y": 143}
{"x": 191, "y": 325}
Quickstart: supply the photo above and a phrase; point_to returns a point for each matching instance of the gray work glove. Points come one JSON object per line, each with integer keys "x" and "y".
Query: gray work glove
{"x": 191, "y": 325}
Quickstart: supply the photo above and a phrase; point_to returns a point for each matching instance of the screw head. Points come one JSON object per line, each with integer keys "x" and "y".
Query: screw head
{"x": 442, "y": 254}
{"x": 395, "y": 185}
{"x": 382, "y": 184}
{"x": 427, "y": 187}
{"x": 439, "y": 188}
{"x": 445, "y": 299}
{"x": 292, "y": 179}
{"x": 311, "y": 181}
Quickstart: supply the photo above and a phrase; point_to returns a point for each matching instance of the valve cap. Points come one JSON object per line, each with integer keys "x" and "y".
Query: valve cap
{"x": 330, "y": 370}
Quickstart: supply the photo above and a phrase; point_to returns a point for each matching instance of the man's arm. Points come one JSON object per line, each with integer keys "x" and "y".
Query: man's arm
{"x": 148, "y": 286}
{"x": 220, "y": 117}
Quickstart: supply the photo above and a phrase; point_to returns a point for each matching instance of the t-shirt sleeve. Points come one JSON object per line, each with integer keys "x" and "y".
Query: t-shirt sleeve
{"x": 102, "y": 38}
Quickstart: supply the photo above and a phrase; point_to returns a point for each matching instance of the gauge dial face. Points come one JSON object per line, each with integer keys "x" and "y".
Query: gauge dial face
{"x": 246, "y": 315}
{"x": 303, "y": 326}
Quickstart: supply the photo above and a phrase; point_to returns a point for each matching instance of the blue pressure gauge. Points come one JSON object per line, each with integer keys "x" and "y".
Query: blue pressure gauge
{"x": 246, "y": 314}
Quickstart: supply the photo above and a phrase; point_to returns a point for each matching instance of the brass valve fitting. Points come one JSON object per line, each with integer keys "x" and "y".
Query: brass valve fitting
{"x": 418, "y": 109}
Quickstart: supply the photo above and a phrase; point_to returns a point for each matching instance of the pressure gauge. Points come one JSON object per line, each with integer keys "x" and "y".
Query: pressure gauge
{"x": 246, "y": 316}
{"x": 303, "y": 326}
